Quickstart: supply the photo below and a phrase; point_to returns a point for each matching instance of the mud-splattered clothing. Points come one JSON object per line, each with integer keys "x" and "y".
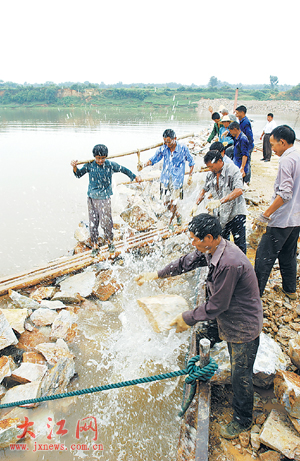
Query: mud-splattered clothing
{"x": 233, "y": 294}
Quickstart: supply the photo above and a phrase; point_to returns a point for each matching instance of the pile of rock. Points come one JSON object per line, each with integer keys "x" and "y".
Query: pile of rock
{"x": 35, "y": 360}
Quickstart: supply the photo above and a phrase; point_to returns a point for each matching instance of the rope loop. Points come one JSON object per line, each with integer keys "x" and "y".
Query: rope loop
{"x": 195, "y": 372}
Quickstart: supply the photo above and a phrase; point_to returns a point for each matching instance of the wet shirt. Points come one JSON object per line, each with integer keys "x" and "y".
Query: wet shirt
{"x": 287, "y": 185}
{"x": 173, "y": 164}
{"x": 241, "y": 148}
{"x": 100, "y": 177}
{"x": 229, "y": 179}
{"x": 227, "y": 138}
{"x": 233, "y": 293}
{"x": 246, "y": 128}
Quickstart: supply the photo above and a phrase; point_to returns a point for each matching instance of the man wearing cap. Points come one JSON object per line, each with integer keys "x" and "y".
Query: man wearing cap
{"x": 225, "y": 137}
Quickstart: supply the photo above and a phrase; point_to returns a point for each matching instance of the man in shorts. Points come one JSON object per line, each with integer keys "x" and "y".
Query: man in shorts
{"x": 174, "y": 156}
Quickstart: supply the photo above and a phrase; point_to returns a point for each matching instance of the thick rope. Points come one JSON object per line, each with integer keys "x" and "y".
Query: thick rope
{"x": 193, "y": 371}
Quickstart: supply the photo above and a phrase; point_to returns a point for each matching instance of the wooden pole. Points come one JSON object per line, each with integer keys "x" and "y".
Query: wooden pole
{"x": 78, "y": 262}
{"x": 203, "y": 406}
{"x": 136, "y": 151}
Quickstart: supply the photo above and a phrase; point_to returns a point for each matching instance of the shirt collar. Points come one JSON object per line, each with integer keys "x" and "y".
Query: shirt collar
{"x": 288, "y": 151}
{"x": 218, "y": 253}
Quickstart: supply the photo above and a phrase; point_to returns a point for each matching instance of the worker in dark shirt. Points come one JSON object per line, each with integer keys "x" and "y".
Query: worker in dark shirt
{"x": 232, "y": 299}
{"x": 246, "y": 128}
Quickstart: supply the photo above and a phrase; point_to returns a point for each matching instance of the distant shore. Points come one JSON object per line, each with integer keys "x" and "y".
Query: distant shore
{"x": 254, "y": 106}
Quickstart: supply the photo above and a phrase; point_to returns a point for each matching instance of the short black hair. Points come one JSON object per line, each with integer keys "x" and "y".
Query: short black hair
{"x": 284, "y": 132}
{"x": 215, "y": 116}
{"x": 242, "y": 109}
{"x": 212, "y": 156}
{"x": 217, "y": 146}
{"x": 168, "y": 133}
{"x": 234, "y": 125}
{"x": 270, "y": 115}
{"x": 204, "y": 224}
{"x": 100, "y": 149}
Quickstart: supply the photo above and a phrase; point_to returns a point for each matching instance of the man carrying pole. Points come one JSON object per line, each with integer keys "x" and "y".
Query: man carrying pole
{"x": 174, "y": 156}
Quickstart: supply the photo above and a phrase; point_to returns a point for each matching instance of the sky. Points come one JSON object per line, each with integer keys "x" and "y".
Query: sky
{"x": 155, "y": 41}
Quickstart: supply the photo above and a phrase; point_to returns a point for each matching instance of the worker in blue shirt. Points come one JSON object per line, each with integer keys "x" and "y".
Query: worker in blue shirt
{"x": 174, "y": 156}
{"x": 246, "y": 128}
{"x": 99, "y": 192}
{"x": 241, "y": 149}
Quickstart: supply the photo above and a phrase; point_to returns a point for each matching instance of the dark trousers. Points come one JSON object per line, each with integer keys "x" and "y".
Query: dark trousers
{"x": 267, "y": 149}
{"x": 237, "y": 226}
{"x": 278, "y": 243}
{"x": 242, "y": 358}
{"x": 100, "y": 213}
{"x": 247, "y": 177}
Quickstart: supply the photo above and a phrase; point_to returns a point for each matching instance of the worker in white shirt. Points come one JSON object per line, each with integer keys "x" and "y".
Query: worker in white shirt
{"x": 269, "y": 127}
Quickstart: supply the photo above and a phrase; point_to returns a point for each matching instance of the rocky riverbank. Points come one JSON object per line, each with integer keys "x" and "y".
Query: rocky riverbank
{"x": 253, "y": 106}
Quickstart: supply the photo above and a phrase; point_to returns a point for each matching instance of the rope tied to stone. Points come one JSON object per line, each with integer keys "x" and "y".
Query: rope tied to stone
{"x": 193, "y": 371}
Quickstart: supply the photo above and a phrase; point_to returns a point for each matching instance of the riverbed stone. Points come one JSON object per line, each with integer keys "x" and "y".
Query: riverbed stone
{"x": 287, "y": 391}
{"x": 105, "y": 285}
{"x": 29, "y": 372}
{"x": 43, "y": 316}
{"x": 53, "y": 304}
{"x": 34, "y": 357}
{"x": 23, "y": 392}
{"x": 16, "y": 318}
{"x": 29, "y": 339}
{"x": 81, "y": 283}
{"x": 279, "y": 434}
{"x": 137, "y": 218}
{"x": 9, "y": 431}
{"x": 270, "y": 455}
{"x": 43, "y": 292}
{"x": 294, "y": 350}
{"x": 22, "y": 301}
{"x": 269, "y": 359}
{"x": 57, "y": 378}
{"x": 54, "y": 352}
{"x": 63, "y": 326}
{"x": 7, "y": 365}
{"x": 162, "y": 309}
{"x": 7, "y": 336}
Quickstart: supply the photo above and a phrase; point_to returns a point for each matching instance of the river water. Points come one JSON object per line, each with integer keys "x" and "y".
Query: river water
{"x": 42, "y": 203}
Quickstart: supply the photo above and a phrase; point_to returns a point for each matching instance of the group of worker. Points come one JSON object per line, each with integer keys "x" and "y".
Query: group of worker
{"x": 233, "y": 287}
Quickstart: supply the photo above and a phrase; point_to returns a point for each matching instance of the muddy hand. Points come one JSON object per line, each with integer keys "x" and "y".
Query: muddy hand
{"x": 146, "y": 277}
{"x": 180, "y": 324}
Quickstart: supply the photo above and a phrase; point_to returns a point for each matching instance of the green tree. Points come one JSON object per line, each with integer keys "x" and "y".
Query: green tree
{"x": 213, "y": 82}
{"x": 273, "y": 81}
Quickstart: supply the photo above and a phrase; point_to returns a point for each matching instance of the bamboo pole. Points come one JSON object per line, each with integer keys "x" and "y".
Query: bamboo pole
{"x": 136, "y": 151}
{"x": 78, "y": 262}
{"x": 201, "y": 170}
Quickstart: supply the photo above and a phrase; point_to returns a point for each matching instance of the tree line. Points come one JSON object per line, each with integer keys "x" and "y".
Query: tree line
{"x": 89, "y": 93}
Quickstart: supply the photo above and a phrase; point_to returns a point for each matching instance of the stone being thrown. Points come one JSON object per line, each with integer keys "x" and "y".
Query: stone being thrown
{"x": 99, "y": 192}
{"x": 174, "y": 156}
{"x": 232, "y": 299}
